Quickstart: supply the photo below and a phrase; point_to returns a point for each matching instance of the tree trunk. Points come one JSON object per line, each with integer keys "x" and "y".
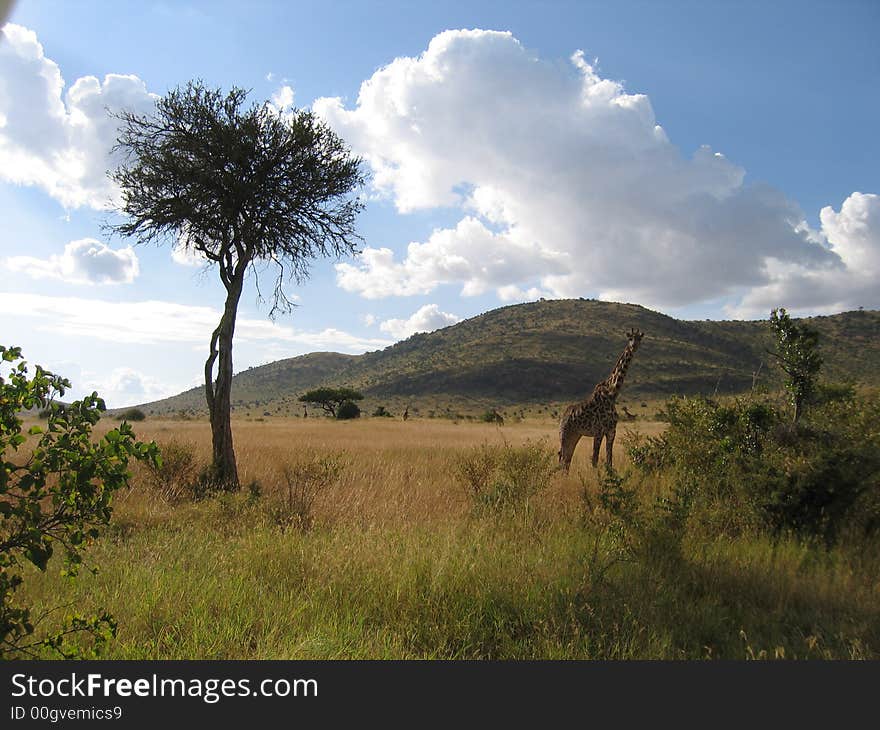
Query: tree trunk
{"x": 218, "y": 392}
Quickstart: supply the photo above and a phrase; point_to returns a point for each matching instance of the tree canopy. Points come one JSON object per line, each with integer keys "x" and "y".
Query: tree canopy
{"x": 797, "y": 354}
{"x": 239, "y": 186}
{"x": 330, "y": 399}
{"x": 246, "y": 189}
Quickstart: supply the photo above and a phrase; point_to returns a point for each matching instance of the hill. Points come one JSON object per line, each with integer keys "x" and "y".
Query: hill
{"x": 281, "y": 380}
{"x": 549, "y": 352}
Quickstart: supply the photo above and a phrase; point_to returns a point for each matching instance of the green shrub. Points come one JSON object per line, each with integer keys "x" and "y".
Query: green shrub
{"x": 380, "y": 412}
{"x": 56, "y": 487}
{"x": 505, "y": 476}
{"x": 739, "y": 465}
{"x": 648, "y": 453}
{"x": 347, "y": 410}
{"x": 131, "y": 414}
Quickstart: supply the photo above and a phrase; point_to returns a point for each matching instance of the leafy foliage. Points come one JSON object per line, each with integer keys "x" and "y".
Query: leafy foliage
{"x": 238, "y": 185}
{"x": 55, "y": 491}
{"x": 242, "y": 187}
{"x": 347, "y": 410}
{"x": 330, "y": 399}
{"x": 738, "y": 466}
{"x": 798, "y": 356}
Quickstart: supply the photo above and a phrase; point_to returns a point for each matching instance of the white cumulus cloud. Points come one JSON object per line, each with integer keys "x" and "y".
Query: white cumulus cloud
{"x": 853, "y": 234}
{"x": 86, "y": 261}
{"x": 425, "y": 319}
{"x": 283, "y": 98}
{"x": 566, "y": 182}
{"x": 449, "y": 256}
{"x": 125, "y": 386}
{"x": 56, "y": 140}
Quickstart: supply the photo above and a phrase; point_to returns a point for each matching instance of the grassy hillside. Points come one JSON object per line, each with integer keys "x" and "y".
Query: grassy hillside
{"x": 280, "y": 381}
{"x": 548, "y": 352}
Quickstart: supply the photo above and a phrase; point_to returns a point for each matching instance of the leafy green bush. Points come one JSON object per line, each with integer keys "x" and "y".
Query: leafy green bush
{"x": 649, "y": 453}
{"x": 505, "y": 476}
{"x": 348, "y": 410}
{"x": 740, "y": 465}
{"x": 57, "y": 493}
{"x": 380, "y": 412}
{"x": 131, "y": 414}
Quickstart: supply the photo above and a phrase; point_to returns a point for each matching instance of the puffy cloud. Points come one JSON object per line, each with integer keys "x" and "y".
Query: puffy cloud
{"x": 449, "y": 255}
{"x": 425, "y": 319}
{"x": 283, "y": 97}
{"x": 124, "y": 386}
{"x": 157, "y": 322}
{"x": 59, "y": 141}
{"x": 853, "y": 234}
{"x": 513, "y": 293}
{"x": 567, "y": 182}
{"x": 85, "y": 261}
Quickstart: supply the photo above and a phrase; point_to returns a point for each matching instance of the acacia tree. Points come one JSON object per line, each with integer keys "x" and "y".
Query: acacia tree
{"x": 249, "y": 189}
{"x": 797, "y": 354}
{"x": 330, "y": 399}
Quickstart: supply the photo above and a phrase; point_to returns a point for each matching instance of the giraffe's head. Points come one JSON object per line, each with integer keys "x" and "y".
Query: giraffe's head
{"x": 634, "y": 337}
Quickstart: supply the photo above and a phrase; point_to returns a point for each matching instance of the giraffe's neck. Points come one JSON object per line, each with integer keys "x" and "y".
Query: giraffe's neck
{"x": 615, "y": 380}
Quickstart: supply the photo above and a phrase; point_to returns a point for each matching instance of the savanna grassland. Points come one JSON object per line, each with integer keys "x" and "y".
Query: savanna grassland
{"x": 414, "y": 550}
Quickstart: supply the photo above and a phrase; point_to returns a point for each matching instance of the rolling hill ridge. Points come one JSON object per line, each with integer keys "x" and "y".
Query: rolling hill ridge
{"x": 549, "y": 352}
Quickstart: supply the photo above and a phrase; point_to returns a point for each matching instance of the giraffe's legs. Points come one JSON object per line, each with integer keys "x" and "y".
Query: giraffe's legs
{"x": 597, "y": 443}
{"x": 568, "y": 442}
{"x": 609, "y": 445}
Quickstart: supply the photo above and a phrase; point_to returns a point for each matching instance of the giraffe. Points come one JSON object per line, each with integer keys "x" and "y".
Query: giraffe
{"x": 595, "y": 415}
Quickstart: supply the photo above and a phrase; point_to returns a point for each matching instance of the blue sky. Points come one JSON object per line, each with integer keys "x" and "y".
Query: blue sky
{"x": 705, "y": 159}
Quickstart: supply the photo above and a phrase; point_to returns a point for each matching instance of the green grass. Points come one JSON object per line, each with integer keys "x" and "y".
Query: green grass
{"x": 214, "y": 580}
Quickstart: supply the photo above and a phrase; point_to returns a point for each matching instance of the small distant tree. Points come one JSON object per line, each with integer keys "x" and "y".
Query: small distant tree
{"x": 56, "y": 486}
{"x": 131, "y": 414}
{"x": 797, "y": 354}
{"x": 492, "y": 416}
{"x": 246, "y": 189}
{"x": 330, "y": 398}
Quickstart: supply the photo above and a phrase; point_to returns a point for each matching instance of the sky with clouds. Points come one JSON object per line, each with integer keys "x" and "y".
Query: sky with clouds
{"x": 705, "y": 163}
